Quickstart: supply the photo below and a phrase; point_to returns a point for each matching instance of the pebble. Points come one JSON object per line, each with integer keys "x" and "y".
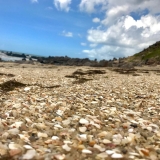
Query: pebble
{"x": 86, "y": 151}
{"x": 30, "y": 154}
{"x": 14, "y": 152}
{"x": 117, "y": 156}
{"x": 83, "y": 121}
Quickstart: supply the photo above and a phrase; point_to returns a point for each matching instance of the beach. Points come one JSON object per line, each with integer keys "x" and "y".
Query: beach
{"x": 75, "y": 113}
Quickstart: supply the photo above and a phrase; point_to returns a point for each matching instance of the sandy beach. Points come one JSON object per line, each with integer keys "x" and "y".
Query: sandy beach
{"x": 75, "y": 113}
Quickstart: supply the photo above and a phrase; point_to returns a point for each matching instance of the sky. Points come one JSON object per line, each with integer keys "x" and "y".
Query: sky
{"x": 95, "y": 29}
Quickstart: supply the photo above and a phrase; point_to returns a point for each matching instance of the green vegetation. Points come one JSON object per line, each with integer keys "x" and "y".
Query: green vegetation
{"x": 152, "y": 52}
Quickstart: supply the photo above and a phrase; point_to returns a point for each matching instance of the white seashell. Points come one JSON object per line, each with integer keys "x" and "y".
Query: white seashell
{"x": 59, "y": 156}
{"x": 130, "y": 130}
{"x": 72, "y": 130}
{"x": 82, "y": 129}
{"x": 59, "y": 112}
{"x": 99, "y": 148}
{"x": 39, "y": 125}
{"x": 43, "y": 135}
{"x": 149, "y": 128}
{"x": 154, "y": 126}
{"x": 66, "y": 147}
{"x": 83, "y": 121}
{"x": 27, "y": 147}
{"x": 83, "y": 136}
{"x": 27, "y": 88}
{"x": 67, "y": 142}
{"x": 109, "y": 152}
{"x": 28, "y": 120}
{"x": 86, "y": 151}
{"x": 17, "y": 124}
{"x": 106, "y": 141}
{"x": 30, "y": 154}
{"x": 24, "y": 138}
{"x": 116, "y": 155}
{"x": 55, "y": 138}
{"x": 94, "y": 102}
{"x": 58, "y": 126}
{"x": 97, "y": 126}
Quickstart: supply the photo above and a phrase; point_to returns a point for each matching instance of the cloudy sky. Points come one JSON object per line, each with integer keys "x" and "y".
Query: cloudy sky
{"x": 100, "y": 29}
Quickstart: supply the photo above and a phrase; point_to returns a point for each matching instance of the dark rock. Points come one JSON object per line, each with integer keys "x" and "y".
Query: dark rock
{"x": 134, "y": 125}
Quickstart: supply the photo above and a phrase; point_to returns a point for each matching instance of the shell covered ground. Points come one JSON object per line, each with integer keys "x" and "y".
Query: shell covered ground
{"x": 52, "y": 112}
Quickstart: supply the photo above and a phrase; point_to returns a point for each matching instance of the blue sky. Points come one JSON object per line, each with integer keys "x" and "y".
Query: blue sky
{"x": 100, "y": 29}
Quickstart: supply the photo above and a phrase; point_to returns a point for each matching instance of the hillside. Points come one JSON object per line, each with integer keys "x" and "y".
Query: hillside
{"x": 150, "y": 55}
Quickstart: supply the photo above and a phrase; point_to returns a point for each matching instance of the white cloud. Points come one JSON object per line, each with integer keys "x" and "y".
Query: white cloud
{"x": 96, "y": 20}
{"x": 34, "y": 1}
{"x": 90, "y": 5}
{"x": 62, "y": 4}
{"x": 83, "y": 44}
{"x": 67, "y": 34}
{"x": 129, "y": 35}
{"x": 120, "y": 33}
{"x": 108, "y": 52}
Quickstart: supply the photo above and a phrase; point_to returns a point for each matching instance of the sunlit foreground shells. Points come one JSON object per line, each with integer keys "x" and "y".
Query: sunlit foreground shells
{"x": 109, "y": 116}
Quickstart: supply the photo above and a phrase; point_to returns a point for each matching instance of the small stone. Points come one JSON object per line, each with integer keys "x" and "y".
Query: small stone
{"x": 27, "y": 147}
{"x": 102, "y": 134}
{"x": 3, "y": 151}
{"x": 86, "y": 151}
{"x": 33, "y": 137}
{"x": 58, "y": 126}
{"x": 116, "y": 155}
{"x": 134, "y": 125}
{"x": 125, "y": 125}
{"x": 92, "y": 143}
{"x": 27, "y": 88}
{"x": 23, "y": 127}
{"x": 80, "y": 147}
{"x": 102, "y": 155}
{"x": 99, "y": 148}
{"x": 109, "y": 152}
{"x": 59, "y": 119}
{"x": 66, "y": 147}
{"x": 83, "y": 121}
{"x": 83, "y": 137}
{"x": 82, "y": 129}
{"x": 55, "y": 138}
{"x": 43, "y": 135}
{"x": 13, "y": 131}
{"x": 124, "y": 151}
{"x": 158, "y": 151}
{"x": 30, "y": 154}
{"x": 14, "y": 146}
{"x": 17, "y": 124}
{"x": 59, "y": 156}
{"x": 145, "y": 152}
{"x": 14, "y": 152}
{"x": 130, "y": 130}
{"x": 49, "y": 141}
{"x": 106, "y": 141}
